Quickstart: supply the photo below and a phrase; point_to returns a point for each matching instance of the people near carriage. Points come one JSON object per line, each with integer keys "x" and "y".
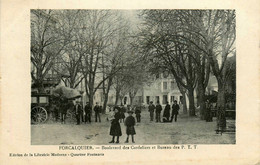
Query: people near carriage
{"x": 130, "y": 129}
{"x": 55, "y": 111}
{"x": 65, "y": 105}
{"x": 138, "y": 114}
{"x": 79, "y": 112}
{"x": 151, "y": 109}
{"x": 97, "y": 112}
{"x": 87, "y": 113}
{"x": 166, "y": 112}
{"x": 115, "y": 129}
{"x": 175, "y": 111}
{"x": 158, "y": 111}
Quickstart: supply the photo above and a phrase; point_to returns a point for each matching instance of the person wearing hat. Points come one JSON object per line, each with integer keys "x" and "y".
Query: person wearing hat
{"x": 158, "y": 111}
{"x": 97, "y": 112}
{"x": 166, "y": 112}
{"x": 151, "y": 108}
{"x": 138, "y": 114}
{"x": 87, "y": 113}
{"x": 175, "y": 111}
{"x": 78, "y": 110}
{"x": 130, "y": 123}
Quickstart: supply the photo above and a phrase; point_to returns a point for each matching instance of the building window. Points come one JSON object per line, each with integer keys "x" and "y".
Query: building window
{"x": 157, "y": 99}
{"x": 125, "y": 100}
{"x": 147, "y": 99}
{"x": 164, "y": 85}
{"x": 164, "y": 99}
{"x": 172, "y": 84}
{"x": 165, "y": 74}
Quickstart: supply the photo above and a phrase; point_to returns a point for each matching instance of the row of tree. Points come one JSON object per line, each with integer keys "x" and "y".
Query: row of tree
{"x": 102, "y": 49}
{"x": 191, "y": 44}
{"x": 86, "y": 46}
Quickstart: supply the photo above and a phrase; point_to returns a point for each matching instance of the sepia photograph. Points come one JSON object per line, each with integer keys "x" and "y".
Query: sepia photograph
{"x": 144, "y": 77}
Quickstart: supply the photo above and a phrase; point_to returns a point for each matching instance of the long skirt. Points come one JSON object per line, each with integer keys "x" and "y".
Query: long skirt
{"x": 130, "y": 130}
{"x": 115, "y": 129}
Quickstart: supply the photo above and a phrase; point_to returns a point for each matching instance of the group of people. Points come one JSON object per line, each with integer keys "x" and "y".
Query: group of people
{"x": 166, "y": 114}
{"x": 115, "y": 128}
{"x": 88, "y": 111}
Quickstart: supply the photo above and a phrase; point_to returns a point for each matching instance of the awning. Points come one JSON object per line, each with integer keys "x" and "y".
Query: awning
{"x": 66, "y": 92}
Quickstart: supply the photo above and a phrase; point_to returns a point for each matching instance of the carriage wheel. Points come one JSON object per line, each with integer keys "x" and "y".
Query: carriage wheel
{"x": 38, "y": 115}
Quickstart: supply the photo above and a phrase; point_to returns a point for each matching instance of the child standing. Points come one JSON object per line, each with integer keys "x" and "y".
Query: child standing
{"x": 130, "y": 129}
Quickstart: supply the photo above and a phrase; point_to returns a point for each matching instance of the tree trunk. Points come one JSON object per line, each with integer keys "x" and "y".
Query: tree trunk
{"x": 182, "y": 90}
{"x": 106, "y": 94}
{"x": 201, "y": 100}
{"x": 117, "y": 97}
{"x": 221, "y": 114}
{"x": 184, "y": 103}
{"x": 191, "y": 102}
{"x": 91, "y": 95}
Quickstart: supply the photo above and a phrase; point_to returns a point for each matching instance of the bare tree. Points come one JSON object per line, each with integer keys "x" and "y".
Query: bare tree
{"x": 68, "y": 66}
{"x": 46, "y": 44}
{"x": 161, "y": 40}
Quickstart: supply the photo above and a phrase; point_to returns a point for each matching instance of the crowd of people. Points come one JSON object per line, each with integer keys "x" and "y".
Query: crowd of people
{"x": 116, "y": 115}
{"x": 166, "y": 114}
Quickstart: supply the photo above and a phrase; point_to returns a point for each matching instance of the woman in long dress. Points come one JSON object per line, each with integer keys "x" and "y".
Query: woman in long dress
{"x": 115, "y": 129}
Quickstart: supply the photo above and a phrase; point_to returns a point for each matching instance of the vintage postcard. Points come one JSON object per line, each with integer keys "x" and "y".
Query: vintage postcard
{"x": 120, "y": 82}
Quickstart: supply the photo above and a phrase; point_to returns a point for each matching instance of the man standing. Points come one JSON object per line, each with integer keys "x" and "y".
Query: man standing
{"x": 158, "y": 112}
{"x": 87, "y": 113}
{"x": 151, "y": 108}
{"x": 78, "y": 111}
{"x": 175, "y": 111}
{"x": 138, "y": 114}
{"x": 97, "y": 112}
{"x": 166, "y": 113}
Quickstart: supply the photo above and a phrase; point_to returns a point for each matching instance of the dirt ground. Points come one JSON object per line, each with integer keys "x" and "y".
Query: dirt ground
{"x": 186, "y": 130}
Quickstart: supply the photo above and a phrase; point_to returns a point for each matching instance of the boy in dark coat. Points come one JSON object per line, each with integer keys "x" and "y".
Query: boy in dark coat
{"x": 115, "y": 129}
{"x": 158, "y": 112}
{"x": 130, "y": 129}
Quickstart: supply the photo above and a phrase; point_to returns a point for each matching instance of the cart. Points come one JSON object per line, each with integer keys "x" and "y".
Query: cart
{"x": 42, "y": 104}
{"x": 39, "y": 107}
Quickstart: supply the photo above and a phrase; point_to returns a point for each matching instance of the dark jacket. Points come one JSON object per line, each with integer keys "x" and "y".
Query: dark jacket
{"x": 166, "y": 112}
{"x": 78, "y": 110}
{"x": 137, "y": 111}
{"x": 175, "y": 109}
{"x": 97, "y": 109}
{"x": 151, "y": 108}
{"x": 115, "y": 129}
{"x": 158, "y": 108}
{"x": 130, "y": 121}
{"x": 87, "y": 109}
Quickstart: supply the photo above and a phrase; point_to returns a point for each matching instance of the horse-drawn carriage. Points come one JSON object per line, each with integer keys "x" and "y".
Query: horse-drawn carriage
{"x": 43, "y": 105}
